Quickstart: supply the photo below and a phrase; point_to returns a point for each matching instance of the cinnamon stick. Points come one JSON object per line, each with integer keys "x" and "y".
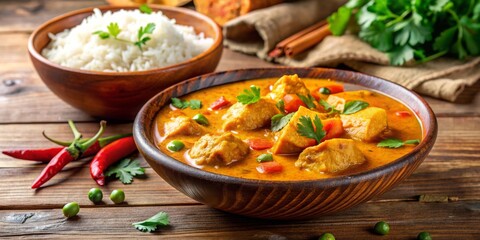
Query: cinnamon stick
{"x": 279, "y": 49}
{"x": 308, "y": 40}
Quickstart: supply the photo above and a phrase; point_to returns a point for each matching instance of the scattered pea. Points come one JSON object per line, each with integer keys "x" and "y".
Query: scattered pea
{"x": 326, "y": 236}
{"x": 424, "y": 236}
{"x": 325, "y": 91}
{"x": 382, "y": 228}
{"x": 71, "y": 209}
{"x": 201, "y": 119}
{"x": 117, "y": 196}
{"x": 175, "y": 145}
{"x": 95, "y": 195}
{"x": 266, "y": 157}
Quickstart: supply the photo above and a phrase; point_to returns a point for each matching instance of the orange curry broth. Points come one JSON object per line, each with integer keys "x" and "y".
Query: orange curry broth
{"x": 401, "y": 127}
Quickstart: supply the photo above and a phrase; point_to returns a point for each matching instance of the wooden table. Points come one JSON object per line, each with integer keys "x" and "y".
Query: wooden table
{"x": 27, "y": 108}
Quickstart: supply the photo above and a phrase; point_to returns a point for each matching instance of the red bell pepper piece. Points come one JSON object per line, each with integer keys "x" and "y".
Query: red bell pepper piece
{"x": 292, "y": 103}
{"x": 109, "y": 155}
{"x": 333, "y": 128}
{"x": 259, "y": 143}
{"x": 403, "y": 114}
{"x": 269, "y": 167}
{"x": 219, "y": 103}
{"x": 66, "y": 155}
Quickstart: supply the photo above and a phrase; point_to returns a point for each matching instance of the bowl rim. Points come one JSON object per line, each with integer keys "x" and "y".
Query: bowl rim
{"x": 218, "y": 40}
{"x": 156, "y": 154}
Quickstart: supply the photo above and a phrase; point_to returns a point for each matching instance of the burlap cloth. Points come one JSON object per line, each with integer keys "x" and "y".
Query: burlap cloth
{"x": 259, "y": 31}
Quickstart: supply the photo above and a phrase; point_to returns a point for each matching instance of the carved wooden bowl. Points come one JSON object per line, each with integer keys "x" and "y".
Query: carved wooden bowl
{"x": 119, "y": 95}
{"x": 273, "y": 199}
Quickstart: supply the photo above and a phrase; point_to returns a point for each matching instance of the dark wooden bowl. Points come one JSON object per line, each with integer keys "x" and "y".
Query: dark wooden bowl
{"x": 273, "y": 199}
{"x": 119, "y": 95}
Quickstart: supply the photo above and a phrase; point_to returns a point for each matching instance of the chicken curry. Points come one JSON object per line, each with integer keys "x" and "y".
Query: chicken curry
{"x": 286, "y": 129}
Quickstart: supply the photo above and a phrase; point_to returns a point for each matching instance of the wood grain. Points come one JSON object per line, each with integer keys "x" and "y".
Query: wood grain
{"x": 406, "y": 219}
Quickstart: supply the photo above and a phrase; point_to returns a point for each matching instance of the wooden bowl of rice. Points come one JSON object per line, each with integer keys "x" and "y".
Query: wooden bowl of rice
{"x": 119, "y": 95}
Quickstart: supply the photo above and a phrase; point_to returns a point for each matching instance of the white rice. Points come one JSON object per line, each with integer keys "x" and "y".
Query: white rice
{"x": 170, "y": 43}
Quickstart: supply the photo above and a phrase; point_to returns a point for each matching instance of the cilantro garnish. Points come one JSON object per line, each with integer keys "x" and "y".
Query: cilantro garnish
{"x": 354, "y": 106}
{"x": 151, "y": 224}
{"x": 141, "y": 39}
{"x": 249, "y": 96}
{"x": 396, "y": 143}
{"x": 281, "y": 106}
{"x": 329, "y": 108}
{"x": 279, "y": 121}
{"x": 307, "y": 129}
{"x": 182, "y": 104}
{"x": 114, "y": 30}
{"x": 308, "y": 100}
{"x": 125, "y": 170}
{"x": 144, "y": 8}
{"x": 413, "y": 30}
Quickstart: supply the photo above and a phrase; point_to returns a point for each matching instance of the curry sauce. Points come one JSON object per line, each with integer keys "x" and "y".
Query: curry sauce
{"x": 405, "y": 126}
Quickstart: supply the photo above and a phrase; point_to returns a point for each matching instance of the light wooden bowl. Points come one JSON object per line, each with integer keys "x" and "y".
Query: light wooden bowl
{"x": 274, "y": 199}
{"x": 119, "y": 95}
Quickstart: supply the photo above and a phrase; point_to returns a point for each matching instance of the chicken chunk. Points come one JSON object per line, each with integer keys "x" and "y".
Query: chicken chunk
{"x": 334, "y": 155}
{"x": 338, "y": 100}
{"x": 183, "y": 126}
{"x": 366, "y": 124}
{"x": 218, "y": 150}
{"x": 288, "y": 84}
{"x": 289, "y": 140}
{"x": 251, "y": 116}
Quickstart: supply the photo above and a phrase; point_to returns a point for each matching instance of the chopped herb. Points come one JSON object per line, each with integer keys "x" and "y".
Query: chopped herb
{"x": 266, "y": 157}
{"x": 114, "y": 30}
{"x": 249, "y": 96}
{"x": 324, "y": 90}
{"x": 144, "y": 8}
{"x": 307, "y": 129}
{"x": 354, "y": 106}
{"x": 329, "y": 108}
{"x": 279, "y": 121}
{"x": 308, "y": 100}
{"x": 125, "y": 170}
{"x": 151, "y": 224}
{"x": 281, "y": 106}
{"x": 182, "y": 104}
{"x": 396, "y": 143}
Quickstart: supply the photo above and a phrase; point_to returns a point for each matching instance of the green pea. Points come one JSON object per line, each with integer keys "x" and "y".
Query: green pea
{"x": 175, "y": 145}
{"x": 201, "y": 119}
{"x": 71, "y": 209}
{"x": 266, "y": 157}
{"x": 324, "y": 90}
{"x": 95, "y": 195}
{"x": 326, "y": 236}
{"x": 382, "y": 228}
{"x": 117, "y": 196}
{"x": 424, "y": 236}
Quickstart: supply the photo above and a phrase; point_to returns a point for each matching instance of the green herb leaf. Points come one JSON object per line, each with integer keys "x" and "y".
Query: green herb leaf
{"x": 308, "y": 100}
{"x": 329, "y": 108}
{"x": 401, "y": 55}
{"x": 151, "y": 224}
{"x": 396, "y": 143}
{"x": 141, "y": 40}
{"x": 249, "y": 96}
{"x": 195, "y": 104}
{"x": 307, "y": 129}
{"x": 144, "y": 8}
{"x": 281, "y": 106}
{"x": 279, "y": 121}
{"x": 102, "y": 34}
{"x": 180, "y": 104}
{"x": 339, "y": 20}
{"x": 266, "y": 157}
{"x": 125, "y": 170}
{"x": 114, "y": 29}
{"x": 354, "y": 106}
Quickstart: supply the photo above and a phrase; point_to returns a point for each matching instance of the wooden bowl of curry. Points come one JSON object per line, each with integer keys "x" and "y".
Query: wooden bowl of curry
{"x": 285, "y": 143}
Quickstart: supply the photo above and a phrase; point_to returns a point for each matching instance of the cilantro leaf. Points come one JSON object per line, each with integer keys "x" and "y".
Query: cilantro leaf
{"x": 144, "y": 8}
{"x": 141, "y": 40}
{"x": 396, "y": 143}
{"x": 378, "y": 35}
{"x": 307, "y": 129}
{"x": 125, "y": 170}
{"x": 411, "y": 33}
{"x": 180, "y": 104}
{"x": 308, "y": 100}
{"x": 281, "y": 106}
{"x": 445, "y": 40}
{"x": 401, "y": 55}
{"x": 195, "y": 104}
{"x": 113, "y": 29}
{"x": 279, "y": 121}
{"x": 249, "y": 96}
{"x": 151, "y": 224}
{"x": 354, "y": 106}
{"x": 329, "y": 108}
{"x": 102, "y": 34}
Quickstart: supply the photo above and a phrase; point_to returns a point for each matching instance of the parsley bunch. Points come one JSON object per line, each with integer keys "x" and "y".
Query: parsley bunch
{"x": 420, "y": 30}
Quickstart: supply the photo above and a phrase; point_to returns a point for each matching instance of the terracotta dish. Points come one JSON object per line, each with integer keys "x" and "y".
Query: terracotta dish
{"x": 290, "y": 199}
{"x": 119, "y": 95}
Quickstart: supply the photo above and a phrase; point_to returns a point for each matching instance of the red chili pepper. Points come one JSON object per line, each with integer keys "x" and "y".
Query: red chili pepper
{"x": 269, "y": 167}
{"x": 220, "y": 103}
{"x": 46, "y": 154}
{"x": 66, "y": 155}
{"x": 403, "y": 114}
{"x": 259, "y": 143}
{"x": 109, "y": 155}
